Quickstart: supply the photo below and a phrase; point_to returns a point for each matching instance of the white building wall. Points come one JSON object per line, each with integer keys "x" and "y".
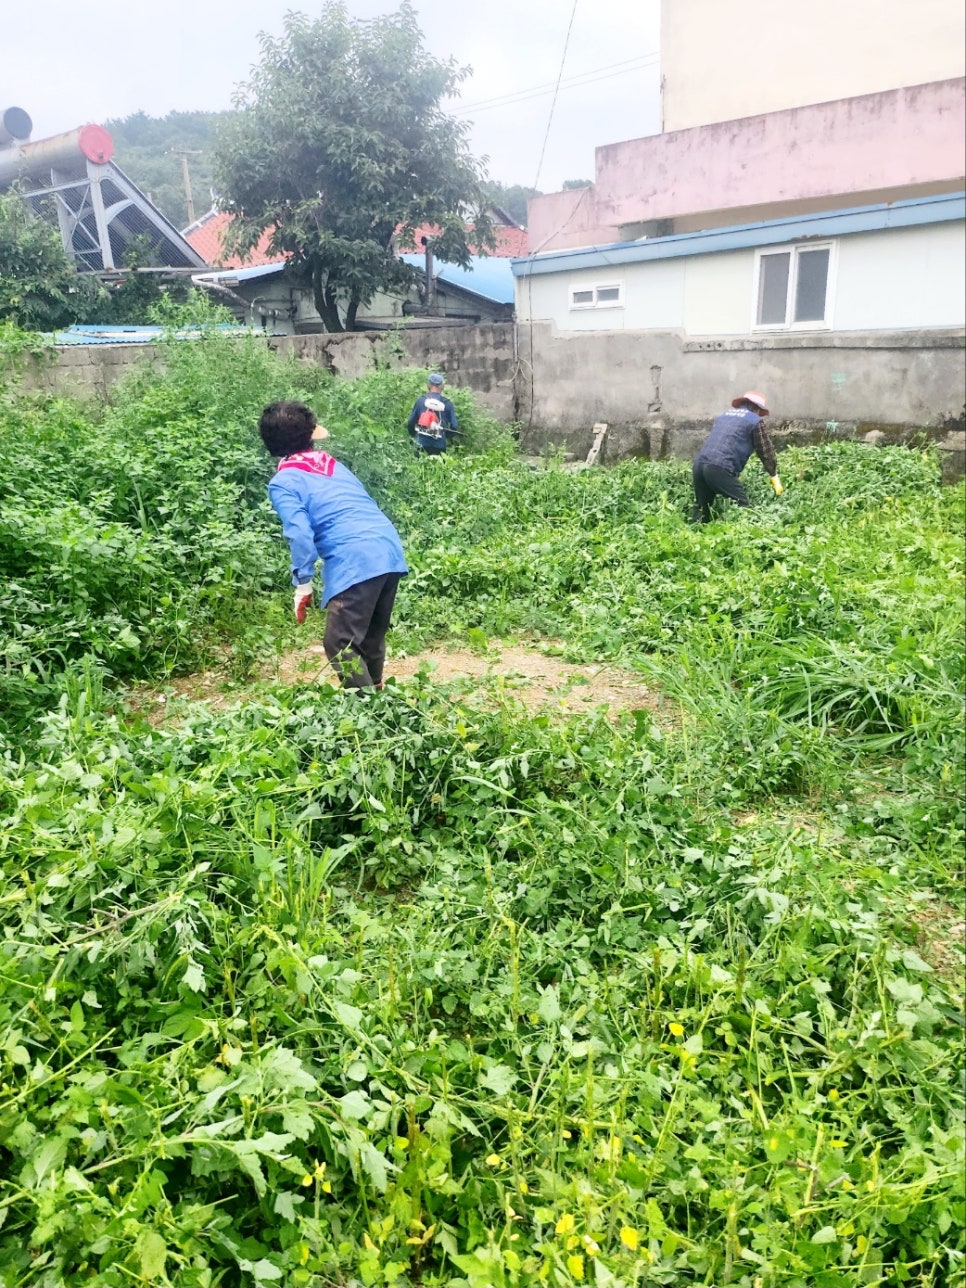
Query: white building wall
{"x": 889, "y": 280}
{"x": 902, "y": 278}
{"x": 718, "y": 293}
{"x": 653, "y": 297}
{"x": 723, "y": 61}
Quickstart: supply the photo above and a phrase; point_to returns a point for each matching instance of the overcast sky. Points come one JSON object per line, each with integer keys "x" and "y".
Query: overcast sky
{"x": 67, "y": 62}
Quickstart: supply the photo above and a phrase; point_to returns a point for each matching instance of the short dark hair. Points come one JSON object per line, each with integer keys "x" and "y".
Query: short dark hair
{"x": 286, "y": 427}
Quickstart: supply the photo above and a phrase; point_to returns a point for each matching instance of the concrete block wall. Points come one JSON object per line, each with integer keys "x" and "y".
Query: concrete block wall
{"x": 656, "y": 391}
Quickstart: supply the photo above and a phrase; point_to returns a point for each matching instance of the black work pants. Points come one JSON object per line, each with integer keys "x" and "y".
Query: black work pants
{"x": 711, "y": 481}
{"x": 356, "y": 622}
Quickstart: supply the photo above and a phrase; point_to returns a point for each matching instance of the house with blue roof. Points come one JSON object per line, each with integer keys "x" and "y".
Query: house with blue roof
{"x": 264, "y": 296}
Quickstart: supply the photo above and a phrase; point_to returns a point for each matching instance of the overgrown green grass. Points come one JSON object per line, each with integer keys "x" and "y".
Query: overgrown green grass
{"x": 414, "y": 988}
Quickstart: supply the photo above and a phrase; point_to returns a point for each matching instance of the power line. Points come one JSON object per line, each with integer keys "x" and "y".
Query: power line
{"x": 553, "y": 104}
{"x": 536, "y": 91}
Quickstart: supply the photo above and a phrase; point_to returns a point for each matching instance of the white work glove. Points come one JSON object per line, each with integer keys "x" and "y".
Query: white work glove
{"x": 302, "y": 601}
{"x": 776, "y": 484}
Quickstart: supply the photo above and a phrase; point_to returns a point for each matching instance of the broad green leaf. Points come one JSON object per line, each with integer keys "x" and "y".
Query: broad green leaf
{"x": 499, "y": 1079}
{"x": 152, "y": 1252}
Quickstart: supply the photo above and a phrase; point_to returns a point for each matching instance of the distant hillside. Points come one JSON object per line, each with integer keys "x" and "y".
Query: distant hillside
{"x": 147, "y": 148}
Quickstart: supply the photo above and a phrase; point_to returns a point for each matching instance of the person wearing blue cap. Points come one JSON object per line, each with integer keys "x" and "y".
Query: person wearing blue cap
{"x": 432, "y": 421}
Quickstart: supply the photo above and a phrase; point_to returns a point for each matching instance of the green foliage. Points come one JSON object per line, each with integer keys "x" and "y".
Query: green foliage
{"x": 339, "y": 139}
{"x": 17, "y": 347}
{"x": 38, "y": 282}
{"x": 135, "y": 297}
{"x": 513, "y": 198}
{"x": 419, "y": 988}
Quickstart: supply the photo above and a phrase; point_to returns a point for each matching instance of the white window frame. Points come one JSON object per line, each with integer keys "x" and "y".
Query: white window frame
{"x": 795, "y": 250}
{"x": 596, "y": 303}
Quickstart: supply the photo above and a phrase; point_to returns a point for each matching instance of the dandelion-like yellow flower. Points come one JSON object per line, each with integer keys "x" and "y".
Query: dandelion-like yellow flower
{"x": 306, "y": 1179}
{"x": 838, "y": 1144}
{"x": 677, "y": 1030}
{"x": 493, "y": 1160}
{"x": 566, "y": 1224}
{"x": 630, "y": 1238}
{"x": 523, "y": 1187}
{"x": 575, "y": 1264}
{"x": 833, "y": 1094}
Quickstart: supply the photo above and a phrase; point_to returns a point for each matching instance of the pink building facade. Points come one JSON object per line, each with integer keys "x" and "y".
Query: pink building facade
{"x": 882, "y": 147}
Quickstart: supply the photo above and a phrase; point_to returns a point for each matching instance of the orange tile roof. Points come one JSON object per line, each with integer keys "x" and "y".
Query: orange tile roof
{"x": 205, "y": 236}
{"x": 511, "y": 241}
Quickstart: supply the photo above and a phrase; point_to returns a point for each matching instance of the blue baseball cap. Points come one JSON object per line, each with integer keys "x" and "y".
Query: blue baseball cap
{"x": 434, "y": 378}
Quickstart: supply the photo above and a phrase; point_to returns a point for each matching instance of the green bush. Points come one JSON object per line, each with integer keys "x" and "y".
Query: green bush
{"x": 420, "y": 988}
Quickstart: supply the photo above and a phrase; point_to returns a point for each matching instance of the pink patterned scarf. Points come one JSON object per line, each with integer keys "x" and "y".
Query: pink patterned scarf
{"x": 311, "y": 462}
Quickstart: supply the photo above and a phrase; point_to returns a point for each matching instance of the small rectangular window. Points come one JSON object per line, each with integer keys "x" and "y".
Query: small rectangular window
{"x": 793, "y": 287}
{"x": 607, "y": 296}
{"x": 812, "y": 284}
{"x": 773, "y": 289}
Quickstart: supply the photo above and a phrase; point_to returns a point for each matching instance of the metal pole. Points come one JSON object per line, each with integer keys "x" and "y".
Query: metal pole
{"x": 187, "y": 188}
{"x": 184, "y": 153}
{"x": 100, "y": 216}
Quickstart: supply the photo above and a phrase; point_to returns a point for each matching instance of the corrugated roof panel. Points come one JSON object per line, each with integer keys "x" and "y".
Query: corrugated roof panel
{"x": 87, "y": 333}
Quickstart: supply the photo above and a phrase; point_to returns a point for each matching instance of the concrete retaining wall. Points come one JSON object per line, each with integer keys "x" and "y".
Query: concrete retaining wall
{"x": 478, "y": 357}
{"x": 656, "y": 391}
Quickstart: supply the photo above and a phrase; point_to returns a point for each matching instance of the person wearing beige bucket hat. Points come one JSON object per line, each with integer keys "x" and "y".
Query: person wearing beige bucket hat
{"x": 734, "y": 435}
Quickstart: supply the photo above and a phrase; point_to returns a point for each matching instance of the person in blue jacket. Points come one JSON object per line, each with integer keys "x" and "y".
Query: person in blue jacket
{"x": 432, "y": 421}
{"x": 327, "y": 514}
{"x": 734, "y": 435}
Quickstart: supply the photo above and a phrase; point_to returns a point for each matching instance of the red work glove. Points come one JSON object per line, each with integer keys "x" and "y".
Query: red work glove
{"x": 302, "y": 601}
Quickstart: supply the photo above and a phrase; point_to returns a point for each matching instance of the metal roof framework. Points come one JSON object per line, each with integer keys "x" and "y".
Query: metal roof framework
{"x": 100, "y": 212}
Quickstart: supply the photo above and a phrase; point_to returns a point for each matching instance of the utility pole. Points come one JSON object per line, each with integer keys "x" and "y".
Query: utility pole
{"x": 184, "y": 153}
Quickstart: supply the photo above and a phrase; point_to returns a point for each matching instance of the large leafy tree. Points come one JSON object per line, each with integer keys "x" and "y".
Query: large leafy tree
{"x": 339, "y": 141}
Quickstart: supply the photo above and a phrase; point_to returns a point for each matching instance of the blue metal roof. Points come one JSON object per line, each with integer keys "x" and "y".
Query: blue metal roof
{"x": 92, "y": 334}
{"x": 489, "y": 276}
{"x": 827, "y": 223}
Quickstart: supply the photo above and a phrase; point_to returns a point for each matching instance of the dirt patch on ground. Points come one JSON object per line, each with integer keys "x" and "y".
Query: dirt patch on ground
{"x": 538, "y": 680}
{"x": 941, "y": 939}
